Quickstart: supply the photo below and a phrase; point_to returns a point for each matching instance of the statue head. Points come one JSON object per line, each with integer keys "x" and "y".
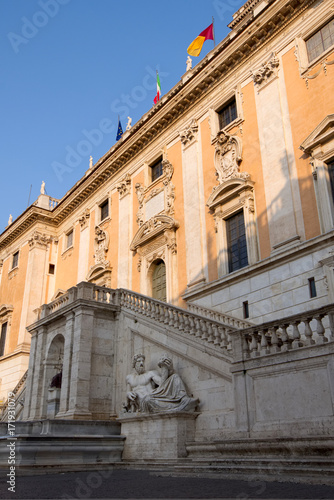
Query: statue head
{"x": 165, "y": 360}
{"x": 139, "y": 363}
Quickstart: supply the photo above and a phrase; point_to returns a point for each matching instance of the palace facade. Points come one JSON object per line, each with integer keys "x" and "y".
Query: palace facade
{"x": 220, "y": 199}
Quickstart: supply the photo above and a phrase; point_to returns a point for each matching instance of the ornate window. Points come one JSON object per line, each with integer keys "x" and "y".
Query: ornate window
{"x": 232, "y": 205}
{"x": 320, "y": 41}
{"x": 236, "y": 242}
{"x": 159, "y": 290}
{"x": 226, "y": 115}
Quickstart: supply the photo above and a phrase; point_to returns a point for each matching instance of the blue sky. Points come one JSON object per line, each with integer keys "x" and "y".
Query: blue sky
{"x": 70, "y": 66}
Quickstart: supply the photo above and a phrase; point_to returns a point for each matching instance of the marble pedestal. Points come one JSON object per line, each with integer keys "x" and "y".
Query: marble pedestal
{"x": 157, "y": 435}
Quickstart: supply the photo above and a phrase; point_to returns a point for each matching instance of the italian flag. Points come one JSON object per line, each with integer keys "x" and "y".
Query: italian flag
{"x": 158, "y": 96}
{"x": 195, "y": 47}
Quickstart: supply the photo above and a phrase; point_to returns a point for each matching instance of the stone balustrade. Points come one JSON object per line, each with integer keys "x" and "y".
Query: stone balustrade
{"x": 53, "y": 202}
{"x": 314, "y": 327}
{"x": 209, "y": 331}
{"x": 227, "y": 320}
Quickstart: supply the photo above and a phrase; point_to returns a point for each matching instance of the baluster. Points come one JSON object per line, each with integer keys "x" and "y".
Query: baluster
{"x": 216, "y": 335}
{"x": 210, "y": 333}
{"x": 197, "y": 328}
{"x": 274, "y": 340}
{"x": 191, "y": 326}
{"x": 320, "y": 330}
{"x": 284, "y": 338}
{"x": 171, "y": 317}
{"x": 204, "y": 329}
{"x": 176, "y": 319}
{"x": 308, "y": 332}
{"x": 181, "y": 321}
{"x": 166, "y": 315}
{"x": 186, "y": 323}
{"x": 148, "y": 308}
{"x": 153, "y": 310}
{"x": 253, "y": 347}
{"x": 264, "y": 348}
{"x": 331, "y": 325}
{"x": 296, "y": 336}
{"x": 223, "y": 337}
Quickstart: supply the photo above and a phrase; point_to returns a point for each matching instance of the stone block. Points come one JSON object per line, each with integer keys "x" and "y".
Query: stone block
{"x": 152, "y": 436}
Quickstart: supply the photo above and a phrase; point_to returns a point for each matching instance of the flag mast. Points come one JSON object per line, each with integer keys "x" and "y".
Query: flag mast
{"x": 213, "y": 31}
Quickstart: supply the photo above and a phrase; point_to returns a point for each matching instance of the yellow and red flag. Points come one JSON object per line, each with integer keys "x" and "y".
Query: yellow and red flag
{"x": 195, "y": 47}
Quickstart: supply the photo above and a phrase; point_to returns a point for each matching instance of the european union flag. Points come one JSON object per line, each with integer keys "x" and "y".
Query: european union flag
{"x": 119, "y": 130}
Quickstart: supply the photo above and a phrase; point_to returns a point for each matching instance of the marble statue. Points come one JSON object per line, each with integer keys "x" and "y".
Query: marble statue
{"x": 189, "y": 63}
{"x": 90, "y": 162}
{"x": 43, "y": 187}
{"x": 10, "y": 220}
{"x": 153, "y": 392}
{"x": 128, "y": 125}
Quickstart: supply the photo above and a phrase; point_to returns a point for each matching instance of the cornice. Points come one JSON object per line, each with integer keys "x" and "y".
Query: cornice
{"x": 226, "y": 57}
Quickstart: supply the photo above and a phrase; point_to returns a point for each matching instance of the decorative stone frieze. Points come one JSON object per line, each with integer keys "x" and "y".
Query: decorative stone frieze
{"x": 228, "y": 155}
{"x": 152, "y": 193}
{"x": 189, "y": 133}
{"x": 83, "y": 221}
{"x": 124, "y": 187}
{"x": 266, "y": 72}
{"x": 140, "y": 190}
{"x": 40, "y": 240}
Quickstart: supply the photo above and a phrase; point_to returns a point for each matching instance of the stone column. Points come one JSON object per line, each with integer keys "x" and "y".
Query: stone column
{"x": 36, "y": 380}
{"x": 280, "y": 183}
{"x": 193, "y": 222}
{"x": 79, "y": 399}
{"x": 67, "y": 366}
{"x": 323, "y": 195}
{"x": 33, "y": 290}
{"x": 124, "y": 264}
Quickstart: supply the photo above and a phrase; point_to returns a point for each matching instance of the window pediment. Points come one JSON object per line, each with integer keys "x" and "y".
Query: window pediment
{"x": 5, "y": 310}
{"x": 321, "y": 135}
{"x": 232, "y": 188}
{"x": 154, "y": 227}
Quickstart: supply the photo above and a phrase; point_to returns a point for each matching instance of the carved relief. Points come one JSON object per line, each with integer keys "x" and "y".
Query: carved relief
{"x": 124, "y": 186}
{"x": 83, "y": 221}
{"x": 189, "y": 133}
{"x": 141, "y": 197}
{"x": 155, "y": 228}
{"x": 144, "y": 195}
{"x": 155, "y": 256}
{"x": 266, "y": 71}
{"x": 101, "y": 245}
{"x": 39, "y": 239}
{"x": 228, "y": 150}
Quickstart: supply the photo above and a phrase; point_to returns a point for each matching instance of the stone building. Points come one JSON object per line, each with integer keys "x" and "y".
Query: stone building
{"x": 218, "y": 203}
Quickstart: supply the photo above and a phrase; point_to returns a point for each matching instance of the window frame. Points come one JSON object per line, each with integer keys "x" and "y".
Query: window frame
{"x": 315, "y": 32}
{"x": 15, "y": 260}
{"x": 68, "y": 244}
{"x": 225, "y": 107}
{"x": 102, "y": 205}
{"x": 231, "y": 243}
{"x": 3, "y": 338}
{"x": 156, "y": 163}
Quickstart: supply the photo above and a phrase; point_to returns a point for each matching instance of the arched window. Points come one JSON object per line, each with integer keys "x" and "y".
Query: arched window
{"x": 159, "y": 290}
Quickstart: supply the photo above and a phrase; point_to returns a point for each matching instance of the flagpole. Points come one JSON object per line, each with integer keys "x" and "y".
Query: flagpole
{"x": 213, "y": 30}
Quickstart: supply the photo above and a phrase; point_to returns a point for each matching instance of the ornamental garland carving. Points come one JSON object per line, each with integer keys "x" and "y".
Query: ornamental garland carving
{"x": 124, "y": 186}
{"x": 141, "y": 197}
{"x": 101, "y": 245}
{"x": 266, "y": 71}
{"x": 189, "y": 133}
{"x": 228, "y": 155}
{"x": 168, "y": 170}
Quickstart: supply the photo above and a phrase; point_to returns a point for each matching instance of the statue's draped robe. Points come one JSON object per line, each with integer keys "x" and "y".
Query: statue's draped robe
{"x": 170, "y": 396}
